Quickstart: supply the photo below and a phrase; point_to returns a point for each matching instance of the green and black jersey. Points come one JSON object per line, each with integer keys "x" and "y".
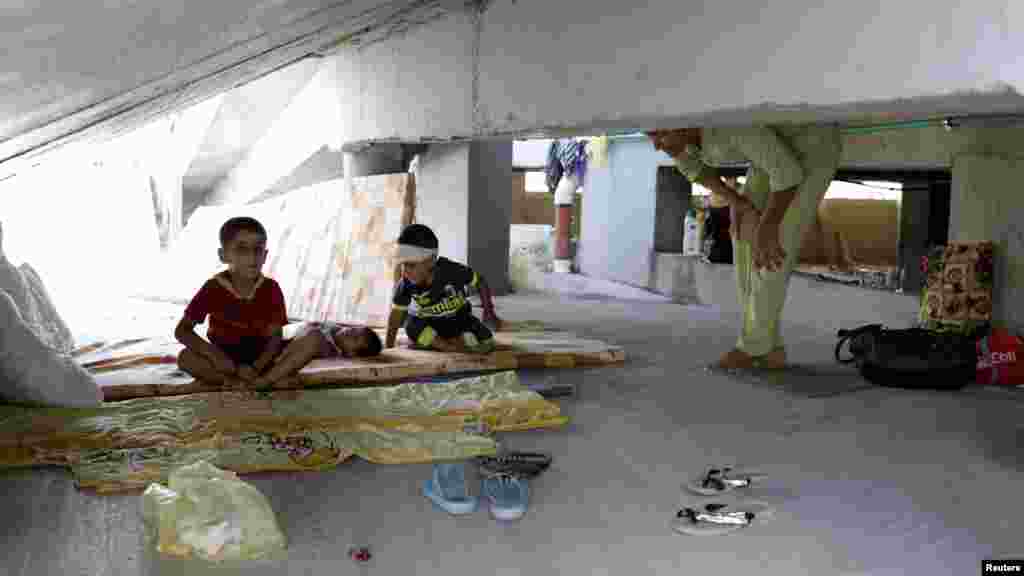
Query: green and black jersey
{"x": 447, "y": 296}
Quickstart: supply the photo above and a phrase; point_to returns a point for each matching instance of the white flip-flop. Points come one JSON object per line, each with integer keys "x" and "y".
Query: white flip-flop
{"x": 719, "y": 519}
{"x": 718, "y": 481}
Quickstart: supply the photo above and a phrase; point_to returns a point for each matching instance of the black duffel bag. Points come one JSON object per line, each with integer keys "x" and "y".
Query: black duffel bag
{"x": 910, "y": 358}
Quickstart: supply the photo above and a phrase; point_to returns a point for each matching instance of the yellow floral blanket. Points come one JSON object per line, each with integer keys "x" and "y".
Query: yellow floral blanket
{"x": 127, "y": 445}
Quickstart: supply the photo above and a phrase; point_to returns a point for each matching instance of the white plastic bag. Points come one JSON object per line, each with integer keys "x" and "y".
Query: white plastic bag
{"x": 209, "y": 513}
{"x": 530, "y": 255}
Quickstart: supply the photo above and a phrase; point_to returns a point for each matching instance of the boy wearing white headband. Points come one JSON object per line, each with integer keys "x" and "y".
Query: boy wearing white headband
{"x": 431, "y": 299}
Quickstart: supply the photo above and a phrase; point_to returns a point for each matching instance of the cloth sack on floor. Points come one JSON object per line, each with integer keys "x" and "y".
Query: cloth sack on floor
{"x": 210, "y": 513}
{"x": 33, "y": 302}
{"x": 33, "y": 373}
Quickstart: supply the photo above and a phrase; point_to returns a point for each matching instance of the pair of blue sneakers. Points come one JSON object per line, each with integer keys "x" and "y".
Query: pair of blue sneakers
{"x": 508, "y": 493}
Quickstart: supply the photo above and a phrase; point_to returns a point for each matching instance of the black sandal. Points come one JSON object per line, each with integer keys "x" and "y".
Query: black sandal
{"x": 521, "y": 464}
{"x": 720, "y": 480}
{"x": 716, "y": 514}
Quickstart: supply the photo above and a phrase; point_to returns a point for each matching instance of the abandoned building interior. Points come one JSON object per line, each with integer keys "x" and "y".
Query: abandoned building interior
{"x": 614, "y": 417}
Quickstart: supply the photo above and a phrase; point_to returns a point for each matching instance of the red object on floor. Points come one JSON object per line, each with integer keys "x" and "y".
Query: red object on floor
{"x": 999, "y": 359}
{"x": 361, "y": 554}
{"x": 563, "y": 221}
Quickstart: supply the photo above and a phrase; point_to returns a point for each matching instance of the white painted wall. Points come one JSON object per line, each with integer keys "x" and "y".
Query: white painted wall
{"x": 593, "y": 246}
{"x": 530, "y": 153}
{"x": 617, "y": 235}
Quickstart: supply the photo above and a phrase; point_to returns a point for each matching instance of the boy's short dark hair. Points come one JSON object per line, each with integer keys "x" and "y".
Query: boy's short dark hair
{"x": 373, "y": 344}
{"x": 418, "y": 235}
{"x": 232, "y": 227}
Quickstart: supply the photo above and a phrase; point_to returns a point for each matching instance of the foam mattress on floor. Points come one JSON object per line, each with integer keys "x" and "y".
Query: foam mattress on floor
{"x": 146, "y": 368}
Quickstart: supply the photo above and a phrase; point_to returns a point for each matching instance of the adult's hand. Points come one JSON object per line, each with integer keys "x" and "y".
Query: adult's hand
{"x": 744, "y": 218}
{"x": 768, "y": 253}
{"x": 744, "y": 206}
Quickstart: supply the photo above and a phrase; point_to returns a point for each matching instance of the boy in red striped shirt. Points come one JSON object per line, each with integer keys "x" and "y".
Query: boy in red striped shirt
{"x": 247, "y": 314}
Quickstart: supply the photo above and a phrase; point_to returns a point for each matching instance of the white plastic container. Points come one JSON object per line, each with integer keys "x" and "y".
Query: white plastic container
{"x": 691, "y": 234}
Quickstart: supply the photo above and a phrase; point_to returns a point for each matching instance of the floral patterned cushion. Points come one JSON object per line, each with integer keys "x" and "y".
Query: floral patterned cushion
{"x": 957, "y": 292}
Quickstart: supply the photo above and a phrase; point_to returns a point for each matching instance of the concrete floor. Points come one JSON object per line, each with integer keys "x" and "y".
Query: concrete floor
{"x": 865, "y": 480}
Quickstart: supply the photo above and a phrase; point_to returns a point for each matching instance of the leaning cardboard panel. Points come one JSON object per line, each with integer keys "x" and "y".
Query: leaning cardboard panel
{"x": 333, "y": 256}
{"x": 958, "y": 287}
{"x": 327, "y": 247}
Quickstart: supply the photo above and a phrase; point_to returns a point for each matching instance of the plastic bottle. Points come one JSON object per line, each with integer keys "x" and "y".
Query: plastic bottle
{"x": 691, "y": 239}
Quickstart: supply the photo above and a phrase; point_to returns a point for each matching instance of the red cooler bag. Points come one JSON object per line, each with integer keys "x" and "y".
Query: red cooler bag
{"x": 1000, "y": 361}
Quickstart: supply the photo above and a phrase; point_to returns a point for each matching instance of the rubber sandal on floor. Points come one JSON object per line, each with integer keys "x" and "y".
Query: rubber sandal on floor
{"x": 522, "y": 464}
{"x": 721, "y": 480}
{"x": 446, "y": 488}
{"x": 509, "y": 496}
{"x": 719, "y": 519}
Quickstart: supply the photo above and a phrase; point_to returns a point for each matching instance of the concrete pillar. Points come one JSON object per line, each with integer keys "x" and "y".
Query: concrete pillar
{"x": 914, "y": 227}
{"x": 985, "y": 207}
{"x": 464, "y": 193}
{"x": 672, "y": 198}
{"x": 938, "y": 221}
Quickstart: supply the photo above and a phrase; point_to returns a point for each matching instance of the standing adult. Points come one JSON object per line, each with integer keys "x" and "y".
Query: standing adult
{"x": 790, "y": 171}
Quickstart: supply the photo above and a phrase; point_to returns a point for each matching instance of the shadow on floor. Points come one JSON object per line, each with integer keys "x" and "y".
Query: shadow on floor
{"x": 805, "y": 380}
{"x": 1002, "y": 444}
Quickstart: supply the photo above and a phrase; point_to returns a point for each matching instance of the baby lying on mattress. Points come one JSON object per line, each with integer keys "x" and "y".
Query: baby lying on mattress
{"x": 247, "y": 343}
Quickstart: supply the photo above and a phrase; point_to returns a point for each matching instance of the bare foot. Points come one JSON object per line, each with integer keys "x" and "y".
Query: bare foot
{"x": 740, "y": 360}
{"x": 735, "y": 359}
{"x": 774, "y": 360}
{"x": 232, "y": 383}
{"x": 285, "y": 383}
